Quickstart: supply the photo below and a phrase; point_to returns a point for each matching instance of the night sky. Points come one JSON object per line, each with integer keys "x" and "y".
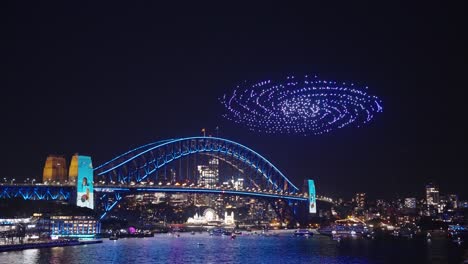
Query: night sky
{"x": 102, "y": 78}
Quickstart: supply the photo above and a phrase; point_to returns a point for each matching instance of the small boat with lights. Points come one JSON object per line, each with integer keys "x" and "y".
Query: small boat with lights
{"x": 303, "y": 233}
{"x": 349, "y": 227}
{"x": 216, "y": 232}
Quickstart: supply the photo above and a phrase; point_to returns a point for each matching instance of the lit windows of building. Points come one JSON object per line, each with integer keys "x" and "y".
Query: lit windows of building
{"x": 432, "y": 195}
{"x": 209, "y": 174}
{"x": 360, "y": 200}
{"x": 178, "y": 198}
{"x": 74, "y": 226}
{"x": 432, "y": 200}
{"x": 410, "y": 203}
{"x": 239, "y": 184}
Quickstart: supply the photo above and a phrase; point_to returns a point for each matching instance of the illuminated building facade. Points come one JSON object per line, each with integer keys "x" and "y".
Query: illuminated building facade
{"x": 74, "y": 226}
{"x": 55, "y": 169}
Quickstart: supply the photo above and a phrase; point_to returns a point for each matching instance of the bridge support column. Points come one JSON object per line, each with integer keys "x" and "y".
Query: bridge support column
{"x": 106, "y": 202}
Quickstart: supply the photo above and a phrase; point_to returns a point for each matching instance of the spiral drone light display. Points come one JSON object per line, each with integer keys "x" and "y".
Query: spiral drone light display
{"x": 303, "y": 106}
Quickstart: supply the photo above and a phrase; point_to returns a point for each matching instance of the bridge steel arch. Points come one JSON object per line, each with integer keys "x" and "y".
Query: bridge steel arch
{"x": 140, "y": 163}
{"x": 143, "y": 163}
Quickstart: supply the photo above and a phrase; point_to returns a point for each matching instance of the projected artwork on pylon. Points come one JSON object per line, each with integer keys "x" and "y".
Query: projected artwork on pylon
{"x": 84, "y": 184}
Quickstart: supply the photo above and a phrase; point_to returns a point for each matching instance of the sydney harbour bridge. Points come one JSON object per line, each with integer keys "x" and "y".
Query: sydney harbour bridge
{"x": 148, "y": 168}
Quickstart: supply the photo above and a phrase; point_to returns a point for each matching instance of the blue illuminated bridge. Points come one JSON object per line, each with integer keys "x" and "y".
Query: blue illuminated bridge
{"x": 153, "y": 168}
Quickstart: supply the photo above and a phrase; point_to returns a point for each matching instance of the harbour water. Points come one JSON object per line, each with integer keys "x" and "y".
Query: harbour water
{"x": 202, "y": 248}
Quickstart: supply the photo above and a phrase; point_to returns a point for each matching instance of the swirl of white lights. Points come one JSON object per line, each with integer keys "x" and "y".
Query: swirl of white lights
{"x": 303, "y": 106}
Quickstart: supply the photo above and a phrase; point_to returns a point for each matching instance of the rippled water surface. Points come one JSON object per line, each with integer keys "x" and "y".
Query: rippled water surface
{"x": 201, "y": 248}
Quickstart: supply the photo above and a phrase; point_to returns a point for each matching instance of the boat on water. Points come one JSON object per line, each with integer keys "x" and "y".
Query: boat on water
{"x": 216, "y": 232}
{"x": 268, "y": 233}
{"x": 349, "y": 231}
{"x": 220, "y": 232}
{"x": 226, "y": 233}
{"x": 113, "y": 237}
{"x": 344, "y": 228}
{"x": 326, "y": 230}
{"x": 303, "y": 233}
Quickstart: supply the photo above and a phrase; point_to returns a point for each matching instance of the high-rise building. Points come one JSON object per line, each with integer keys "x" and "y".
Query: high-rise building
{"x": 209, "y": 174}
{"x": 410, "y": 203}
{"x": 360, "y": 200}
{"x": 239, "y": 184}
{"x": 453, "y": 201}
{"x": 432, "y": 195}
{"x": 55, "y": 169}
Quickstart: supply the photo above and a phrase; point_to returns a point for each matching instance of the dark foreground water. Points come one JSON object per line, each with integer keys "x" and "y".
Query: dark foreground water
{"x": 201, "y": 248}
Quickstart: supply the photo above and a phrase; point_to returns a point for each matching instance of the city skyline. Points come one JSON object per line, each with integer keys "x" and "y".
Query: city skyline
{"x": 102, "y": 80}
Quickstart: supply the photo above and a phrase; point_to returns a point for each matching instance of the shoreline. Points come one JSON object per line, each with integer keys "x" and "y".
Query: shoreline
{"x": 16, "y": 247}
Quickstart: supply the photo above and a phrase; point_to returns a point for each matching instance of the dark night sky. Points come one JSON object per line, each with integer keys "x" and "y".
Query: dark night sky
{"x": 99, "y": 79}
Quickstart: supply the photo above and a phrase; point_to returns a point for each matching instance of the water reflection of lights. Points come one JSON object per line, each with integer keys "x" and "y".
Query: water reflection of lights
{"x": 31, "y": 256}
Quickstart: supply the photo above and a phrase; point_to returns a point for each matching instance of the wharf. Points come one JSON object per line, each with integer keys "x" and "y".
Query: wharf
{"x": 48, "y": 244}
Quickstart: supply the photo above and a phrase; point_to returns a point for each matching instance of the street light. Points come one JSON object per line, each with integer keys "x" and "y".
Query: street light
{"x": 13, "y": 181}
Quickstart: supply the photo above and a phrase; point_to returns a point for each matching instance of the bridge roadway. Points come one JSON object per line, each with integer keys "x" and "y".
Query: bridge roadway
{"x": 33, "y": 189}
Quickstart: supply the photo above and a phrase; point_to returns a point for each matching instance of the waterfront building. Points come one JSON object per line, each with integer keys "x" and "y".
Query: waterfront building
{"x": 55, "y": 169}
{"x": 10, "y": 224}
{"x": 39, "y": 225}
{"x": 74, "y": 226}
{"x": 229, "y": 218}
{"x": 209, "y": 217}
